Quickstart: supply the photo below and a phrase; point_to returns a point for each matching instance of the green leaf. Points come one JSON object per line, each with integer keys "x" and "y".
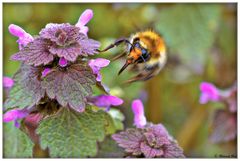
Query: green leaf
{"x": 27, "y": 89}
{"x": 16, "y": 144}
{"x": 189, "y": 31}
{"x": 72, "y": 134}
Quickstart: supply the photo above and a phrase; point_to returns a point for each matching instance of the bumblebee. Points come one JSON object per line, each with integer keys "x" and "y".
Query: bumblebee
{"x": 146, "y": 52}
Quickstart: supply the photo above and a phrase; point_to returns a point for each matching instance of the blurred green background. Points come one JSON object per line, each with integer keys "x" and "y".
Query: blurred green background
{"x": 201, "y": 40}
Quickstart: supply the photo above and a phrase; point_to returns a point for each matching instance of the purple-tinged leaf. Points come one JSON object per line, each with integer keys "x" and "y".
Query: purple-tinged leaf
{"x": 224, "y": 126}
{"x": 130, "y": 140}
{"x": 62, "y": 34}
{"x": 70, "y": 86}
{"x": 35, "y": 53}
{"x": 149, "y": 152}
{"x": 173, "y": 150}
{"x": 27, "y": 90}
{"x": 88, "y": 46}
{"x": 70, "y": 52}
{"x": 152, "y": 141}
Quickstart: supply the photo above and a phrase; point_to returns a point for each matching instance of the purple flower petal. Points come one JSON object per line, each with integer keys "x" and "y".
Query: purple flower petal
{"x": 139, "y": 117}
{"x": 85, "y": 17}
{"x": 208, "y": 93}
{"x": 84, "y": 30}
{"x": 96, "y": 65}
{"x": 46, "y": 71}
{"x": 23, "y": 37}
{"x": 7, "y": 82}
{"x": 15, "y": 115}
{"x": 105, "y": 101}
{"x": 62, "y": 62}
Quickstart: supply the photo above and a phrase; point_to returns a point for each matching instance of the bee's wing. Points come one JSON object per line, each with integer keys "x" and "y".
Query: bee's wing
{"x": 144, "y": 75}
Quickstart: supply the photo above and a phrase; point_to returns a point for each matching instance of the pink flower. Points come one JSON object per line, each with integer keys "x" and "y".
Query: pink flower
{"x": 23, "y": 37}
{"x": 96, "y": 65}
{"x": 8, "y": 82}
{"x": 62, "y": 62}
{"x": 105, "y": 101}
{"x": 45, "y": 72}
{"x": 15, "y": 115}
{"x": 85, "y": 17}
{"x": 139, "y": 117}
{"x": 208, "y": 93}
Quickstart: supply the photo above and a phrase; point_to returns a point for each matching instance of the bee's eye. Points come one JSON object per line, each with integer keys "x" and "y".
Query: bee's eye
{"x": 144, "y": 52}
{"x": 137, "y": 45}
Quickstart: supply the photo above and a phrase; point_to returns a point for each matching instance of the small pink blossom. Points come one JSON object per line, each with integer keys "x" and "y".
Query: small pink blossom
{"x": 15, "y": 115}
{"x": 208, "y": 93}
{"x": 105, "y": 101}
{"x": 62, "y": 62}
{"x": 85, "y": 17}
{"x": 96, "y": 65}
{"x": 8, "y": 82}
{"x": 139, "y": 117}
{"x": 23, "y": 37}
{"x": 45, "y": 72}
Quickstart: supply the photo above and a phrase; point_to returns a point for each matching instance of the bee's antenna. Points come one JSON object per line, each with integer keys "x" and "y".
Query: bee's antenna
{"x": 116, "y": 43}
{"x": 124, "y": 67}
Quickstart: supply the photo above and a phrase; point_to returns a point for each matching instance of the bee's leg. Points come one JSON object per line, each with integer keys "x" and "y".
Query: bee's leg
{"x": 140, "y": 77}
{"x": 119, "y": 56}
{"x": 116, "y": 43}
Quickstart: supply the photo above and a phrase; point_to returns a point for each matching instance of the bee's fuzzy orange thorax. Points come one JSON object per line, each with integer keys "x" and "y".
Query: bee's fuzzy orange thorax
{"x": 153, "y": 42}
{"x": 135, "y": 54}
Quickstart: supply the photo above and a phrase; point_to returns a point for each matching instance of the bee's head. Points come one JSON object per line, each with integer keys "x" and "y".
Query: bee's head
{"x": 137, "y": 54}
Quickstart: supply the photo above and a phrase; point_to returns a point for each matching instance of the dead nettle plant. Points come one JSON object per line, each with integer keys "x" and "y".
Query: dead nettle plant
{"x": 50, "y": 100}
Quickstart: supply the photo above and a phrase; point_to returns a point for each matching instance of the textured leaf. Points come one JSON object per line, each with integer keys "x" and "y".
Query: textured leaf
{"x": 72, "y": 134}
{"x": 224, "y": 126}
{"x": 89, "y": 46}
{"x": 16, "y": 144}
{"x": 70, "y": 86}
{"x": 189, "y": 31}
{"x": 130, "y": 140}
{"x": 68, "y": 42}
{"x": 27, "y": 89}
{"x": 36, "y": 53}
{"x": 62, "y": 34}
{"x": 173, "y": 150}
{"x": 152, "y": 141}
{"x": 68, "y": 52}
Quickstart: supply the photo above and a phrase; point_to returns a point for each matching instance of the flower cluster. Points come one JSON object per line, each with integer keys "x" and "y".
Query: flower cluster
{"x": 64, "y": 42}
{"x": 224, "y": 125}
{"x": 147, "y": 140}
{"x": 56, "y": 67}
